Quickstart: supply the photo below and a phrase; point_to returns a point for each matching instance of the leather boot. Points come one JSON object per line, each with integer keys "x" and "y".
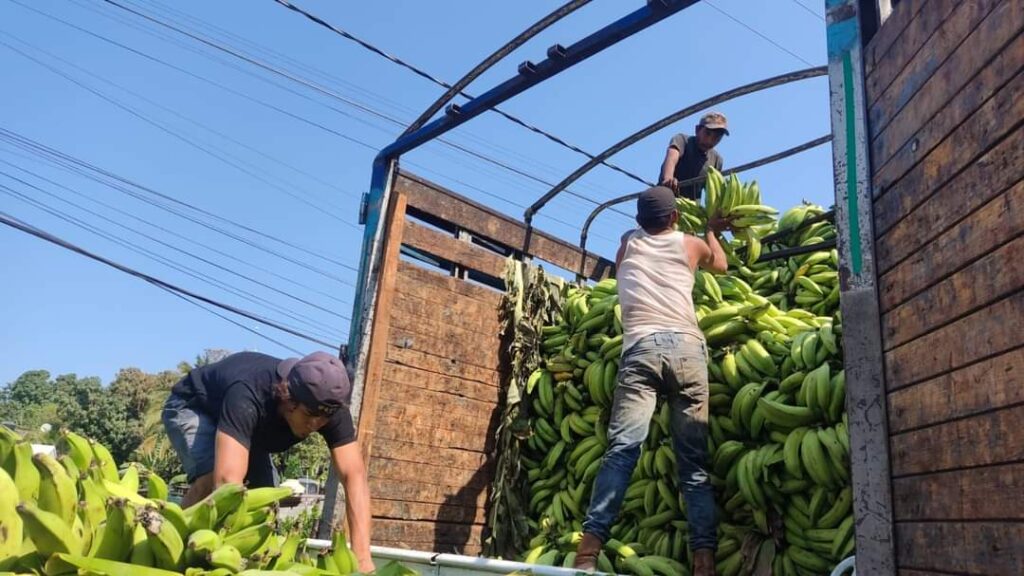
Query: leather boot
{"x": 587, "y": 552}
{"x": 704, "y": 562}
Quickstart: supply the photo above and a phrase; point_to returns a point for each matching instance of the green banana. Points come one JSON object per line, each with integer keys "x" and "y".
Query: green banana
{"x": 57, "y": 491}
{"x": 49, "y": 532}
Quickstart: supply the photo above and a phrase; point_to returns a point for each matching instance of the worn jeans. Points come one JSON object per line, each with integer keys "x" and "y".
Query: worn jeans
{"x": 675, "y": 366}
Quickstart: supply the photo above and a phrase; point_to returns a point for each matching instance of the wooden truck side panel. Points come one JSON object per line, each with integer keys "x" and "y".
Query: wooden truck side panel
{"x": 945, "y": 95}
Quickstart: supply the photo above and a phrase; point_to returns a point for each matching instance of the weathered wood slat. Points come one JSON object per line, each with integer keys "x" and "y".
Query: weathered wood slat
{"x": 496, "y": 227}
{"x": 981, "y": 440}
{"x": 454, "y": 250}
{"x": 914, "y": 34}
{"x": 411, "y": 491}
{"x": 399, "y": 471}
{"x": 973, "y": 548}
{"x": 990, "y": 384}
{"x": 399, "y": 510}
{"x": 441, "y": 401}
{"x": 436, "y": 344}
{"x": 449, "y": 339}
{"x": 994, "y": 276}
{"x": 409, "y": 452}
{"x": 439, "y": 532}
{"x": 407, "y": 377}
{"x": 413, "y": 274}
{"x": 984, "y": 179}
{"x": 990, "y": 80}
{"x": 937, "y": 72}
{"x": 990, "y": 124}
{"x": 451, "y": 367}
{"x": 429, "y": 436}
{"x": 994, "y": 224}
{"x": 990, "y": 493}
{"x": 987, "y": 332}
{"x": 432, "y": 305}
{"x": 471, "y": 426}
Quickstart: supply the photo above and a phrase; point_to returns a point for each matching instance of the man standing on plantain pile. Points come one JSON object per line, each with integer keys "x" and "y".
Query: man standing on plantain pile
{"x": 664, "y": 353}
{"x": 226, "y": 418}
{"x": 689, "y": 157}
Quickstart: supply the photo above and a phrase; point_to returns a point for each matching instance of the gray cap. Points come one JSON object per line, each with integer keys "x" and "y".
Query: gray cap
{"x": 318, "y": 381}
{"x": 654, "y": 204}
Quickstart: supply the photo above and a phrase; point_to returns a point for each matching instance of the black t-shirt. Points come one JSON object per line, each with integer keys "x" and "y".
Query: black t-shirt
{"x": 238, "y": 392}
{"x": 693, "y": 162}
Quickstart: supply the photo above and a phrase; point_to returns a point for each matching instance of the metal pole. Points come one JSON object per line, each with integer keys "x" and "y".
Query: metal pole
{"x": 865, "y": 375}
{"x": 666, "y": 121}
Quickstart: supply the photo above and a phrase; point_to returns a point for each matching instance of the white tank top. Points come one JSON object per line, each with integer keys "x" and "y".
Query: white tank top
{"x": 656, "y": 287}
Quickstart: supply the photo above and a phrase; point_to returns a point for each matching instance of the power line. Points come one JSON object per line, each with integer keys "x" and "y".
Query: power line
{"x": 17, "y": 224}
{"x": 154, "y": 256}
{"x": 166, "y": 230}
{"x": 327, "y": 92}
{"x": 176, "y": 248}
{"x": 809, "y": 10}
{"x": 446, "y": 85}
{"x": 97, "y": 174}
{"x": 160, "y": 126}
{"x": 290, "y": 114}
{"x": 758, "y": 33}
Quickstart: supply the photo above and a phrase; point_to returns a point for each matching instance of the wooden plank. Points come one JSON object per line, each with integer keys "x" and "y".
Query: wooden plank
{"x": 990, "y": 384}
{"x": 906, "y": 51}
{"x": 421, "y": 302}
{"x": 984, "y": 129}
{"x": 381, "y": 329}
{"x": 990, "y": 493}
{"x": 994, "y": 276}
{"x": 431, "y": 437}
{"x": 994, "y": 224}
{"x": 460, "y": 348}
{"x": 982, "y": 440}
{"x": 399, "y": 510}
{"x": 442, "y": 533}
{"x": 984, "y": 179}
{"x": 985, "y": 333}
{"x": 454, "y": 250}
{"x": 878, "y": 49}
{"x": 447, "y": 340}
{"x": 496, "y": 227}
{"x": 974, "y": 548}
{"x": 443, "y": 366}
{"x": 409, "y": 377}
{"x": 409, "y": 452}
{"x": 411, "y": 491}
{"x": 440, "y": 401}
{"x": 410, "y": 273}
{"x": 399, "y": 471}
{"x": 471, "y": 426}
{"x": 990, "y": 80}
{"x": 917, "y": 92}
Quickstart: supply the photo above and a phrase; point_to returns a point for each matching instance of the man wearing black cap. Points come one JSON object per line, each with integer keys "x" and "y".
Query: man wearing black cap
{"x": 226, "y": 418}
{"x": 689, "y": 156}
{"x": 663, "y": 353}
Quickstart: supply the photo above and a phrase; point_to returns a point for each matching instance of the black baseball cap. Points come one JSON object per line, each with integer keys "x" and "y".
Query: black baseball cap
{"x": 318, "y": 381}
{"x": 655, "y": 204}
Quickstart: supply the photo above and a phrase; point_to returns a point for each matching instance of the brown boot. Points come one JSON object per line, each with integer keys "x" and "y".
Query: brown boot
{"x": 704, "y": 562}
{"x": 587, "y": 552}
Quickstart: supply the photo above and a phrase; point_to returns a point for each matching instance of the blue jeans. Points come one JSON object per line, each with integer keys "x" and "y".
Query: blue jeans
{"x": 674, "y": 365}
{"x": 193, "y": 435}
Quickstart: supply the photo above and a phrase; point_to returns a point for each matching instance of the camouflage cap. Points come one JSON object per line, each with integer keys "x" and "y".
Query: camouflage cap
{"x": 715, "y": 121}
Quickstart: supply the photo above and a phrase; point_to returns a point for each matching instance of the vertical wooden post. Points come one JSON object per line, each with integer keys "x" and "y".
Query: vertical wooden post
{"x": 862, "y": 342}
{"x": 334, "y": 502}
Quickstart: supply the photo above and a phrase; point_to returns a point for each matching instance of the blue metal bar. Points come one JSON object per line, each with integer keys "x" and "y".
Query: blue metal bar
{"x": 538, "y": 27}
{"x": 621, "y": 29}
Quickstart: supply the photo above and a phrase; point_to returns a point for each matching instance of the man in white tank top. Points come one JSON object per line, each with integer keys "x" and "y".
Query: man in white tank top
{"x": 663, "y": 353}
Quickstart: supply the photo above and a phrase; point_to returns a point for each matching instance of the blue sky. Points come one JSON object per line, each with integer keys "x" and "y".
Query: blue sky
{"x": 289, "y": 162}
